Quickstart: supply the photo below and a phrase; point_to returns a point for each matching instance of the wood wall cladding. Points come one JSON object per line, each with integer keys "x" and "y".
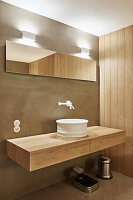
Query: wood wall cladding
{"x": 43, "y": 66}
{"x": 116, "y": 93}
{"x": 64, "y": 66}
{"x": 17, "y": 67}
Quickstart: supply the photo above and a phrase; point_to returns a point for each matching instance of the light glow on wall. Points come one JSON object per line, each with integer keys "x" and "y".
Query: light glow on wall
{"x": 26, "y": 42}
{"x": 27, "y": 26}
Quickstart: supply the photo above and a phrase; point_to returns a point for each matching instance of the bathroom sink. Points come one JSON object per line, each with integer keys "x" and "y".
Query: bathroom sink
{"x": 72, "y": 127}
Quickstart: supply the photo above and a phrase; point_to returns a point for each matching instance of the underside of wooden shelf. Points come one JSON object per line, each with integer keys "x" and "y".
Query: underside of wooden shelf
{"x": 35, "y": 152}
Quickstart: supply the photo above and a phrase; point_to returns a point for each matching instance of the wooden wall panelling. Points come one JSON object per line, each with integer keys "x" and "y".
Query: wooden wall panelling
{"x": 66, "y": 75}
{"x": 56, "y": 65}
{"x": 33, "y": 68}
{"x": 41, "y": 70}
{"x": 116, "y": 93}
{"x": 17, "y": 67}
{"x": 121, "y": 96}
{"x": 62, "y": 65}
{"x": 128, "y": 101}
{"x": 71, "y": 65}
{"x": 114, "y": 90}
{"x": 102, "y": 80}
{"x": 82, "y": 65}
{"x": 102, "y": 83}
{"x": 43, "y": 66}
{"x": 93, "y": 70}
{"x": 107, "y": 85}
{"x": 78, "y": 66}
{"x": 65, "y": 66}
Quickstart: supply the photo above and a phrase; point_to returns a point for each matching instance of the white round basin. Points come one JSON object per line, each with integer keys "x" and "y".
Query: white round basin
{"x": 72, "y": 127}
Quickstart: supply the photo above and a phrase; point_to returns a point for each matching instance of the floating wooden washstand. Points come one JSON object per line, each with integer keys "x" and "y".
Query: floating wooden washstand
{"x": 35, "y": 152}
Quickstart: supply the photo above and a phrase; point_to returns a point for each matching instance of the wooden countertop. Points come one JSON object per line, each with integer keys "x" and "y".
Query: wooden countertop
{"x": 35, "y": 152}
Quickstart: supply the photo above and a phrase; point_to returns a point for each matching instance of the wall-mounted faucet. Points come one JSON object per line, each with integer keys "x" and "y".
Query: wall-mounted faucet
{"x": 68, "y": 104}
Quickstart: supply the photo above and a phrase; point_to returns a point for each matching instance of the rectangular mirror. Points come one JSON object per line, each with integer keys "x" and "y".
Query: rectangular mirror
{"x": 37, "y": 61}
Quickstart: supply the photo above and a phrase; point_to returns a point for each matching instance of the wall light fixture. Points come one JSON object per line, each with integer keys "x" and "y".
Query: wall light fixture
{"x": 85, "y": 51}
{"x": 28, "y": 36}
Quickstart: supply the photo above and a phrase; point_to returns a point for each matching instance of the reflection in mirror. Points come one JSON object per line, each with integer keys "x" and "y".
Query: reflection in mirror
{"x": 36, "y": 61}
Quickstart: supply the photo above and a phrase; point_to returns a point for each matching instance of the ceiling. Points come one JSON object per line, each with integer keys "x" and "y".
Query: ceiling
{"x": 24, "y": 53}
{"x": 97, "y": 17}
